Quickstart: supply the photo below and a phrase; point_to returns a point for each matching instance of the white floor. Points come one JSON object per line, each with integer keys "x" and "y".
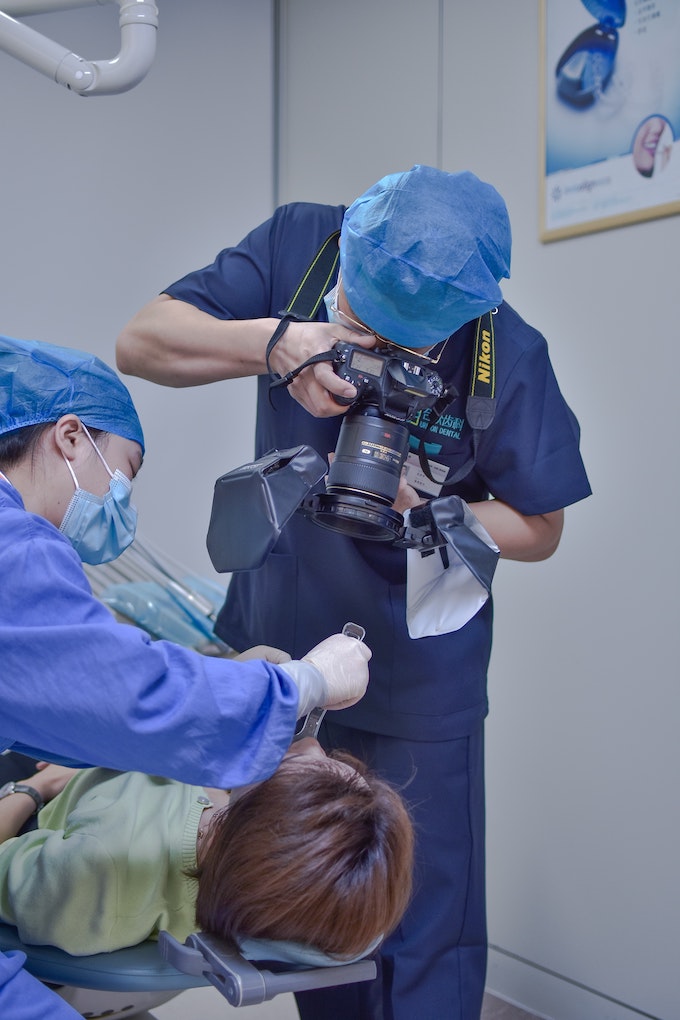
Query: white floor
{"x": 208, "y": 1004}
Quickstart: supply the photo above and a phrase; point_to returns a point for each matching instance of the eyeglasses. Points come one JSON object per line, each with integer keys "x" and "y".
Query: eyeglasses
{"x": 381, "y": 341}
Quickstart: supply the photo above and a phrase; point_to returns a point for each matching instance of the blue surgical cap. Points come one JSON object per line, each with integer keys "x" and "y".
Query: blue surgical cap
{"x": 40, "y": 382}
{"x": 422, "y": 253}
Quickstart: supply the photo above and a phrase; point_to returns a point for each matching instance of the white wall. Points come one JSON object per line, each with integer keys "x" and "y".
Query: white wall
{"x": 583, "y": 758}
{"x": 108, "y": 199}
{"x": 351, "y": 106}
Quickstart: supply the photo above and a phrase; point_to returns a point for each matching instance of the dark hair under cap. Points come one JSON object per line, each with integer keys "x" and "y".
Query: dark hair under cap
{"x": 40, "y": 382}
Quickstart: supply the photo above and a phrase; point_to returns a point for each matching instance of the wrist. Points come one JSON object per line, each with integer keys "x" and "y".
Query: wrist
{"x": 311, "y": 685}
{"x": 23, "y": 790}
{"x": 44, "y": 785}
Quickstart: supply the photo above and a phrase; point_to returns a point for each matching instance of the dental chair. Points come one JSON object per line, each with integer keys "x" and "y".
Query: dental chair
{"x": 149, "y": 589}
{"x": 130, "y": 981}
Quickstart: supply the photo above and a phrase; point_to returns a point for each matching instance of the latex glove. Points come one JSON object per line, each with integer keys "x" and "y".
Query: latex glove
{"x": 343, "y": 663}
{"x": 266, "y": 652}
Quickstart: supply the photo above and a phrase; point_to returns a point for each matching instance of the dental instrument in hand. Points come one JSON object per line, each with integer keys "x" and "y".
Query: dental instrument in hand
{"x": 312, "y": 723}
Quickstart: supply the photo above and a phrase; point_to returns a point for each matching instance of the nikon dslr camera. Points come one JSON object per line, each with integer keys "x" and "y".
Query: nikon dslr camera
{"x": 396, "y": 386}
{"x": 363, "y": 478}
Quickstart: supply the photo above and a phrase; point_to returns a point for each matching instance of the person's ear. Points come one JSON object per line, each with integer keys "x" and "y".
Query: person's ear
{"x": 69, "y": 436}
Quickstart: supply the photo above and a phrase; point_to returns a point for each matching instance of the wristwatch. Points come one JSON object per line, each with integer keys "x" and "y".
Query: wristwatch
{"x": 10, "y": 788}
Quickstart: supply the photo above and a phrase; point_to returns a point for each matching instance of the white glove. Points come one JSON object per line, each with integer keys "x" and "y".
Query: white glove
{"x": 343, "y": 663}
{"x": 267, "y": 652}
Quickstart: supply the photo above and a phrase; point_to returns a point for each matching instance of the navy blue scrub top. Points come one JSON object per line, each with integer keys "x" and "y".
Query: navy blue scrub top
{"x": 315, "y": 580}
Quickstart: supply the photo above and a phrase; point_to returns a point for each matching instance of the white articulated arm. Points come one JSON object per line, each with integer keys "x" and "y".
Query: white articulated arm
{"x": 138, "y": 26}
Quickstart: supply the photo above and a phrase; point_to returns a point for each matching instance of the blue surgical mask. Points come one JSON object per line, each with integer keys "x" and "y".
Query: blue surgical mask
{"x": 330, "y": 301}
{"x": 100, "y": 528}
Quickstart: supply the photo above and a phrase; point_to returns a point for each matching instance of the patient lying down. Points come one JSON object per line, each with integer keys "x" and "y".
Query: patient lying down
{"x": 319, "y": 854}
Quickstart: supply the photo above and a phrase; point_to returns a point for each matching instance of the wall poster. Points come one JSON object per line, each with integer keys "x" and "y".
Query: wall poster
{"x": 610, "y": 113}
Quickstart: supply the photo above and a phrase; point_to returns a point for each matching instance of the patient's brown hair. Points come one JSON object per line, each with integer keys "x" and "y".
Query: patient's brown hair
{"x": 314, "y": 854}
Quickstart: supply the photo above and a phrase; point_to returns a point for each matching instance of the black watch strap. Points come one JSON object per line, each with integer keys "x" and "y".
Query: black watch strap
{"x": 284, "y": 323}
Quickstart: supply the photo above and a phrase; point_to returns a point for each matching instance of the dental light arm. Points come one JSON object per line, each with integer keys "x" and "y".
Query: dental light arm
{"x": 138, "y": 25}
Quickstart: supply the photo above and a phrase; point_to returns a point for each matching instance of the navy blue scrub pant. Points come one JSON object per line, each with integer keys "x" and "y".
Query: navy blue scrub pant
{"x": 433, "y": 966}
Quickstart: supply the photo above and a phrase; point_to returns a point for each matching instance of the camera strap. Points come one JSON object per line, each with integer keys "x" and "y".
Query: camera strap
{"x": 481, "y": 402}
{"x": 480, "y": 407}
{"x": 317, "y": 279}
{"x": 305, "y": 302}
{"x": 287, "y": 379}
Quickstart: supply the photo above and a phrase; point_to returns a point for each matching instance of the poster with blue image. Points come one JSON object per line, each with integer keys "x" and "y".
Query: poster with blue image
{"x": 610, "y": 113}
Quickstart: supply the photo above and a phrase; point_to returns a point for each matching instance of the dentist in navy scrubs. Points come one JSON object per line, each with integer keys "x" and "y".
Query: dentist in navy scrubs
{"x": 421, "y": 255}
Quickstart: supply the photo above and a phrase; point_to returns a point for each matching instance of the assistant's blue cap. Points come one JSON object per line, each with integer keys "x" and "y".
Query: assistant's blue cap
{"x": 40, "y": 382}
{"x": 422, "y": 253}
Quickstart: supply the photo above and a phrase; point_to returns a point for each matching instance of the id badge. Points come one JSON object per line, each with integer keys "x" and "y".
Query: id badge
{"x": 416, "y": 477}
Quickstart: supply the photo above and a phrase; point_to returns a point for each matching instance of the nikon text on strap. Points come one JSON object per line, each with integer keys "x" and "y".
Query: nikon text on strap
{"x": 480, "y": 406}
{"x": 481, "y": 402}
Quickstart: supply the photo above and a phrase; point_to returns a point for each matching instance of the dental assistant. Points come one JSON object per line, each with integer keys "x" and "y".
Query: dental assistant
{"x": 75, "y": 683}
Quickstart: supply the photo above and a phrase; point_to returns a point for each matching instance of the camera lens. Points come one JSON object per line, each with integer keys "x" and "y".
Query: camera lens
{"x": 363, "y": 478}
{"x": 369, "y": 456}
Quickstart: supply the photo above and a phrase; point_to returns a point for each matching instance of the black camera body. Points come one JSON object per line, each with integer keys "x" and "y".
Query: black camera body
{"x": 363, "y": 478}
{"x": 362, "y": 481}
{"x": 397, "y": 387}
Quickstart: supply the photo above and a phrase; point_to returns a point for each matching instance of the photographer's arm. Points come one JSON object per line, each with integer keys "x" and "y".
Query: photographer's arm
{"x": 176, "y": 344}
{"x": 519, "y": 537}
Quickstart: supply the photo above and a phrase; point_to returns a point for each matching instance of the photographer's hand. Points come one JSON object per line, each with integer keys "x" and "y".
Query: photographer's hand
{"x": 175, "y": 344}
{"x": 317, "y": 385}
{"x": 407, "y": 497}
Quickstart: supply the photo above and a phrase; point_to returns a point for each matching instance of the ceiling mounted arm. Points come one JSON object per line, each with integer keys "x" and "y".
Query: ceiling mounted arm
{"x": 138, "y": 27}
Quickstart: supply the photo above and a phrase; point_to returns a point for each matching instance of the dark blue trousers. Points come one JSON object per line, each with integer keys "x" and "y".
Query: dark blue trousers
{"x": 433, "y": 966}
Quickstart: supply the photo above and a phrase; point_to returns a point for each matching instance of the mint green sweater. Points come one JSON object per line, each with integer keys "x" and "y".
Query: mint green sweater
{"x": 106, "y": 868}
